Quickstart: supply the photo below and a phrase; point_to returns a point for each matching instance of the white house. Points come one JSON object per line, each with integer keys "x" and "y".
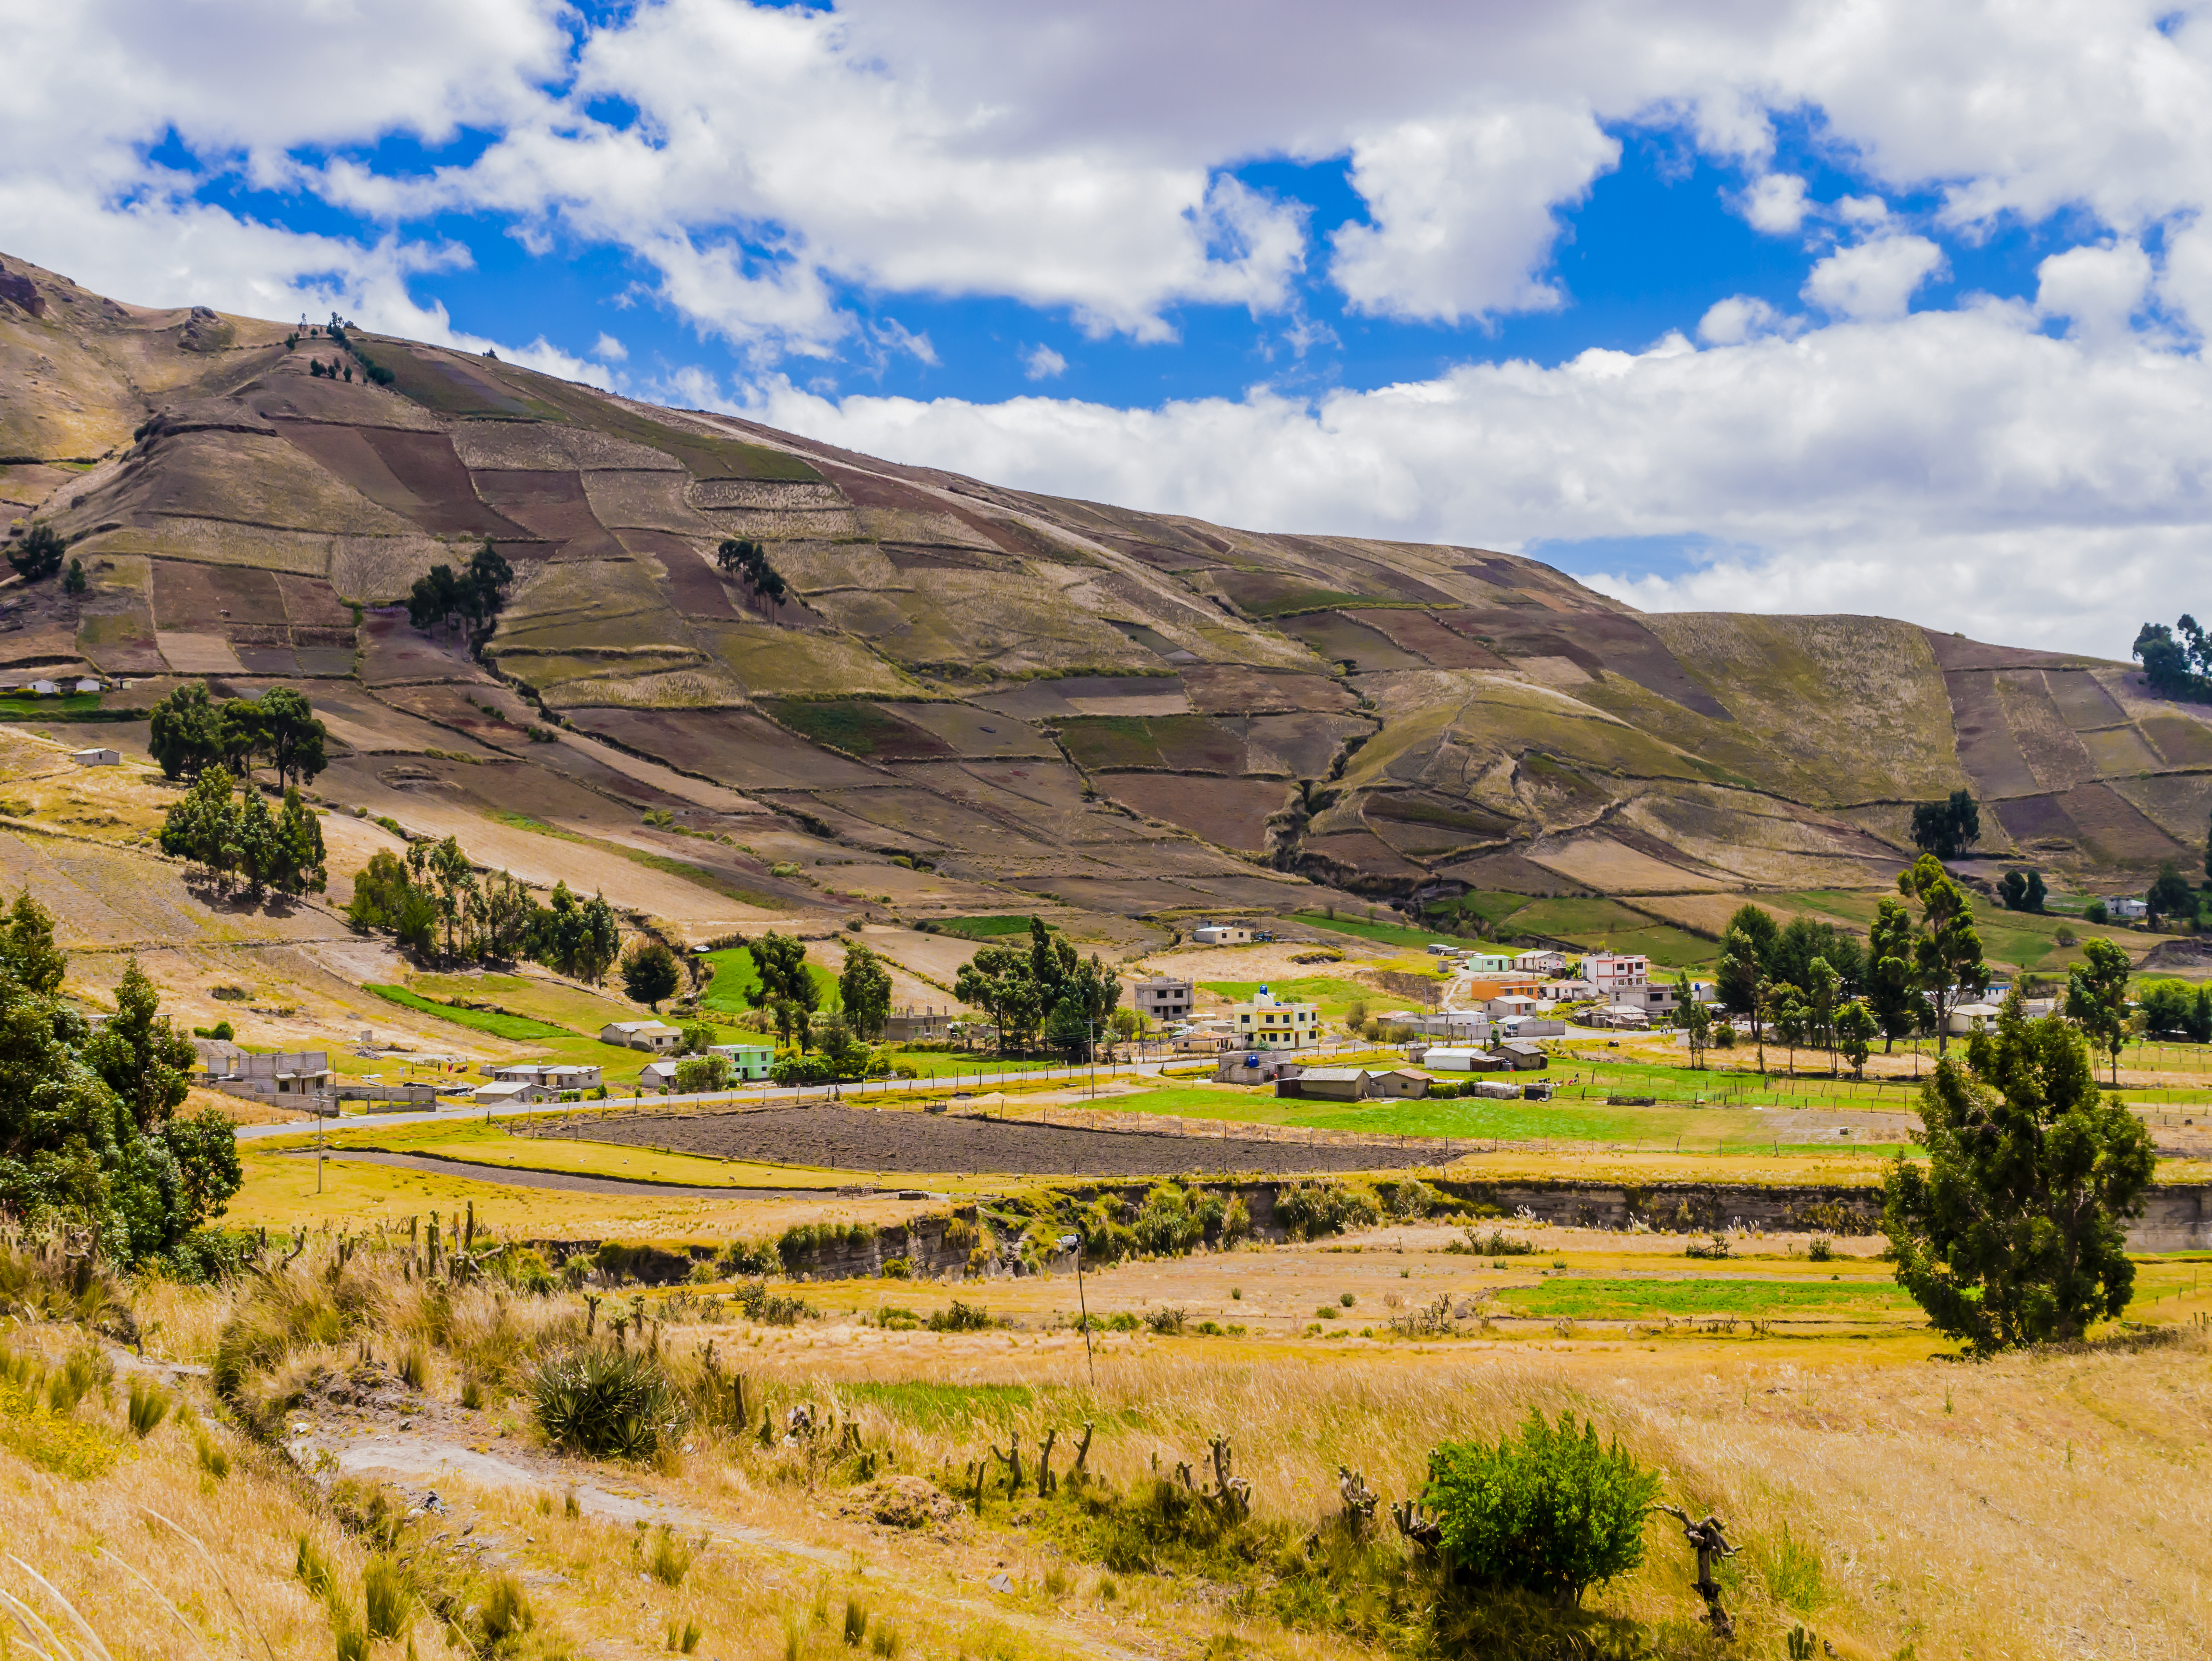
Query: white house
{"x": 1619, "y": 1015}
{"x": 44, "y": 689}
{"x": 1510, "y": 1004}
{"x": 98, "y": 755}
{"x": 2127, "y": 910}
{"x": 1264, "y": 1024}
{"x": 656, "y": 1035}
{"x": 88, "y": 686}
{"x": 1661, "y": 997}
{"x": 1460, "y": 1058}
{"x": 1541, "y": 962}
{"x": 511, "y": 1092}
{"x": 1613, "y": 972}
{"x": 552, "y": 1075}
{"x": 1967, "y": 1018}
{"x": 1221, "y": 933}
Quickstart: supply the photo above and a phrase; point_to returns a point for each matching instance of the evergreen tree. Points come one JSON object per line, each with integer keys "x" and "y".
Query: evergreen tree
{"x": 1694, "y": 1018}
{"x": 202, "y": 827}
{"x": 27, "y": 952}
{"x": 293, "y": 739}
{"x": 2016, "y": 1233}
{"x": 2097, "y": 997}
{"x": 74, "y": 583}
{"x": 185, "y": 737}
{"x": 1857, "y": 1027}
{"x": 145, "y": 1061}
{"x": 38, "y": 552}
{"x": 650, "y": 973}
{"x": 1946, "y": 951}
{"x": 1948, "y": 829}
{"x": 865, "y": 989}
{"x": 1898, "y": 1007}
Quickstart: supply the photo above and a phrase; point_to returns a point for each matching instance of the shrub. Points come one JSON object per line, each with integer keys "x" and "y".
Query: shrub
{"x": 1495, "y": 1243}
{"x": 149, "y": 1405}
{"x": 670, "y": 1560}
{"x": 962, "y": 1317}
{"x": 1168, "y": 1323}
{"x": 606, "y": 1405}
{"x": 384, "y": 1586}
{"x": 1168, "y": 1225}
{"x": 771, "y": 1309}
{"x": 1308, "y": 1210}
{"x": 1821, "y": 1250}
{"x": 1552, "y": 1512}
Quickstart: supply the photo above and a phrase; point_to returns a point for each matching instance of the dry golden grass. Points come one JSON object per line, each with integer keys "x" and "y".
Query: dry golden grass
{"x": 2040, "y": 1505}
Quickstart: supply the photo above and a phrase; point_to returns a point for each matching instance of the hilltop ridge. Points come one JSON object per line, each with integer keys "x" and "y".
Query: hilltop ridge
{"x": 1026, "y": 697}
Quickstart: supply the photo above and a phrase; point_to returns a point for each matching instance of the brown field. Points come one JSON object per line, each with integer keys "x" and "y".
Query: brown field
{"x": 1227, "y": 813}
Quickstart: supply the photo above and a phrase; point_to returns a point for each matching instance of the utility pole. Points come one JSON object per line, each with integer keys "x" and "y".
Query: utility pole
{"x": 1083, "y": 1308}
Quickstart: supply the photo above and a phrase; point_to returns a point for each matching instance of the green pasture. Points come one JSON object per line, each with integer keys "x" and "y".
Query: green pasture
{"x": 1709, "y": 1295}
{"x": 983, "y": 928}
{"x": 517, "y": 1027}
{"x": 735, "y": 977}
{"x": 565, "y": 1006}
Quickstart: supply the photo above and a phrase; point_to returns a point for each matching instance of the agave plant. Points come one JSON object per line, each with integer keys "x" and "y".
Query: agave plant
{"x": 607, "y": 1404}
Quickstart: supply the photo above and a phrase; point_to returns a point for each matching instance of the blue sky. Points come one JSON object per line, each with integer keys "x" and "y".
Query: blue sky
{"x": 1894, "y": 309}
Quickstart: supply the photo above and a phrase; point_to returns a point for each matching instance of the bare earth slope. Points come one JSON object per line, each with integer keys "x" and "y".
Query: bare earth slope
{"x": 1024, "y": 700}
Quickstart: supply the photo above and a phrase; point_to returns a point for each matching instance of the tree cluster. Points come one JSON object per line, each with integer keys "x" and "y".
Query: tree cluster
{"x": 784, "y": 988}
{"x": 2170, "y": 896}
{"x": 2022, "y": 890}
{"x": 1946, "y": 828}
{"x": 2176, "y": 1009}
{"x": 38, "y": 552}
{"x": 650, "y": 972}
{"x": 1813, "y": 987}
{"x": 2176, "y": 667}
{"x": 370, "y": 368}
{"x": 89, "y": 1132}
{"x": 474, "y": 596}
{"x": 747, "y": 560}
{"x": 434, "y": 903}
{"x": 190, "y": 732}
{"x": 1045, "y": 993}
{"x": 229, "y": 832}
{"x": 2016, "y": 1232}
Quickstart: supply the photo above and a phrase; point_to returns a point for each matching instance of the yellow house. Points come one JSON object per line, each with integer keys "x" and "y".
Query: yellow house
{"x": 1264, "y": 1023}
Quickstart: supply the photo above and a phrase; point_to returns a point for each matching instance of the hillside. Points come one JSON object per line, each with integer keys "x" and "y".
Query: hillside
{"x": 1020, "y": 699}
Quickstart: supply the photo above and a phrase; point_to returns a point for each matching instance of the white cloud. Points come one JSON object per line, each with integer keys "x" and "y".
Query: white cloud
{"x": 2097, "y": 290}
{"x": 1874, "y": 280}
{"x": 1776, "y": 203}
{"x": 1042, "y": 363}
{"x": 1732, "y": 322}
{"x": 1862, "y": 210}
{"x": 1957, "y": 468}
{"x": 609, "y": 349}
{"x": 1463, "y": 211}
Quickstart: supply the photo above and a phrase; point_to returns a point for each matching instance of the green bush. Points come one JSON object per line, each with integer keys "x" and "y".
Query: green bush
{"x": 1168, "y": 1225}
{"x": 384, "y": 1586}
{"x": 771, "y": 1309}
{"x": 1308, "y": 1210}
{"x": 608, "y": 1405}
{"x": 1552, "y": 1511}
{"x": 962, "y": 1317}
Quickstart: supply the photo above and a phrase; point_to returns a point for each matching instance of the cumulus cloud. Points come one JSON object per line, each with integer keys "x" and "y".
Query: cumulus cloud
{"x": 1732, "y": 322}
{"x": 1463, "y": 210}
{"x": 1776, "y": 203}
{"x": 2098, "y": 290}
{"x": 1042, "y": 363}
{"x": 1874, "y": 280}
{"x": 609, "y": 349}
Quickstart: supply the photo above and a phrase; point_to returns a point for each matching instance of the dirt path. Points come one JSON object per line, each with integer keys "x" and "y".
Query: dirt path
{"x": 437, "y": 1454}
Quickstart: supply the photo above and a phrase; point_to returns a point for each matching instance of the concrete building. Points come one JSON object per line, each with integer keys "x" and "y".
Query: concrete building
{"x": 1466, "y": 1025}
{"x": 1522, "y": 1056}
{"x": 1613, "y": 972}
{"x": 1967, "y": 1018}
{"x": 1573, "y": 989}
{"x": 98, "y": 755}
{"x": 1399, "y": 1083}
{"x": 1620, "y": 1017}
{"x": 551, "y": 1075}
{"x": 1327, "y": 1084}
{"x": 1265, "y": 1024}
{"x": 747, "y": 1060}
{"x": 1460, "y": 1058}
{"x": 1661, "y": 997}
{"x": 1512, "y": 1004}
{"x": 1164, "y": 999}
{"x": 299, "y": 1079}
{"x": 512, "y": 1092}
{"x": 2127, "y": 910}
{"x": 1255, "y": 1067}
{"x": 88, "y": 684}
{"x": 1221, "y": 933}
{"x": 927, "y": 1024}
{"x": 1542, "y": 962}
{"x": 1532, "y": 1027}
{"x": 656, "y": 1035}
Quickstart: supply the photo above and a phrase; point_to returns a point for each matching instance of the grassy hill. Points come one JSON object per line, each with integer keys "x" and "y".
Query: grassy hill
{"x": 986, "y": 700}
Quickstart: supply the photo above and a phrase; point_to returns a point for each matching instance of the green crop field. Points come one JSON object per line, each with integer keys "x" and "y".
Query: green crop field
{"x": 982, "y": 929}
{"x": 518, "y": 1027}
{"x": 1709, "y": 1295}
{"x": 566, "y": 1007}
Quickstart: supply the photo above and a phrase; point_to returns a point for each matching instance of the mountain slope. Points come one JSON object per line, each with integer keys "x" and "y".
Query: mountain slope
{"x": 1041, "y": 698}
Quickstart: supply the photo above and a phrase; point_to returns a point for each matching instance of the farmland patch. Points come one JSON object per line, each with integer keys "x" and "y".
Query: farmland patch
{"x": 1181, "y": 744}
{"x": 856, "y": 728}
{"x": 1229, "y": 813}
{"x": 1232, "y": 688}
{"x": 1341, "y": 639}
{"x": 1425, "y": 636}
